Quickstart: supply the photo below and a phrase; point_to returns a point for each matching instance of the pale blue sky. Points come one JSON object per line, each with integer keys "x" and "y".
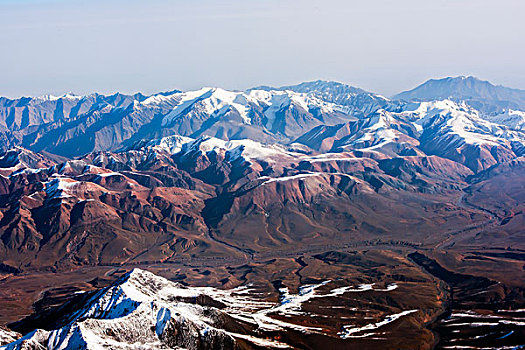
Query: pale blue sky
{"x": 56, "y": 46}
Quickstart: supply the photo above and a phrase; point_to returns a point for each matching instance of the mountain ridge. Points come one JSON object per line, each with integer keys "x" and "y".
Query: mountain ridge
{"x": 73, "y": 125}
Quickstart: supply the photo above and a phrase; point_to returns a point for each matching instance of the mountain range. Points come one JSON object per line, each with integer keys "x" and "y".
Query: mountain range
{"x": 72, "y": 125}
{"x": 256, "y": 184}
{"x": 192, "y": 171}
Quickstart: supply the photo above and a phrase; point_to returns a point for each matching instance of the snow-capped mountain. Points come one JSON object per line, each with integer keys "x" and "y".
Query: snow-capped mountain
{"x": 72, "y": 125}
{"x": 145, "y": 311}
{"x": 230, "y": 114}
{"x": 461, "y": 133}
{"x": 478, "y": 93}
{"x": 358, "y": 101}
{"x": 377, "y": 132}
{"x": 245, "y": 149}
{"x": 451, "y": 130}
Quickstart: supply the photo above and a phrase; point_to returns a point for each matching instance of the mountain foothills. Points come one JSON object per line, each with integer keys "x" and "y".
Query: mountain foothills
{"x": 354, "y": 218}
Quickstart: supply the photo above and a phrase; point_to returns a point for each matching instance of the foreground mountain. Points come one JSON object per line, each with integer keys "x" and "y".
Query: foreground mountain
{"x": 141, "y": 310}
{"x": 154, "y": 313}
{"x": 145, "y": 311}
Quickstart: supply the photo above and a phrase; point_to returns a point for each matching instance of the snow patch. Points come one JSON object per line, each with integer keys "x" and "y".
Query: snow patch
{"x": 350, "y": 331}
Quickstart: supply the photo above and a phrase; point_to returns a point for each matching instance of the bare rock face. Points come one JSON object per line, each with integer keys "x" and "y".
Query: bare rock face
{"x": 8, "y": 336}
{"x": 187, "y": 335}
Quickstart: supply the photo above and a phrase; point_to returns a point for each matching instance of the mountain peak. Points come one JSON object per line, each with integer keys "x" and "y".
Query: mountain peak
{"x": 323, "y": 86}
{"x": 460, "y": 79}
{"x": 137, "y": 273}
{"x": 313, "y": 86}
{"x": 478, "y": 93}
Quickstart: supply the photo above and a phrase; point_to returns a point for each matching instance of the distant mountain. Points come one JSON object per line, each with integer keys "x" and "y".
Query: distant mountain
{"x": 445, "y": 128}
{"x": 48, "y": 122}
{"x": 325, "y": 116}
{"x": 478, "y": 93}
{"x": 362, "y": 102}
{"x": 73, "y": 125}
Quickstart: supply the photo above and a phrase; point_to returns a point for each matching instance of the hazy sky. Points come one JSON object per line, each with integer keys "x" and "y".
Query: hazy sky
{"x": 56, "y": 46}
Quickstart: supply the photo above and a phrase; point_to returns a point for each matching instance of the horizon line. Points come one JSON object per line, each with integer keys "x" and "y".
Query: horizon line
{"x": 175, "y": 90}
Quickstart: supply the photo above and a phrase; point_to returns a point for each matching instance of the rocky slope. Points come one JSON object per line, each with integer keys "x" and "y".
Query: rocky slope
{"x": 177, "y": 197}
